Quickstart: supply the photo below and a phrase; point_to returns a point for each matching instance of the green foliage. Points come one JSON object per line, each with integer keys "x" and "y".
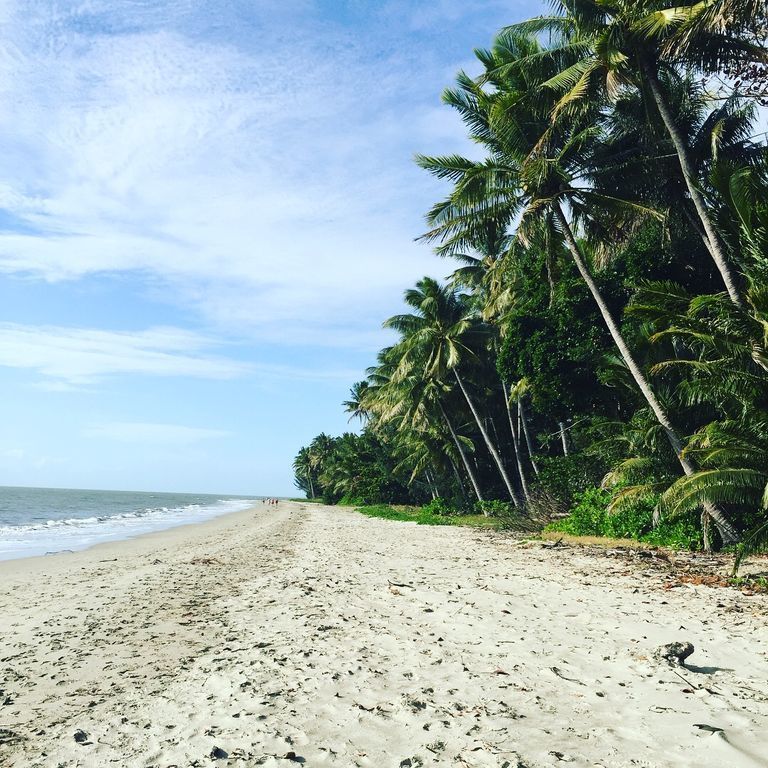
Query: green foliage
{"x": 556, "y": 343}
{"x": 441, "y": 506}
{"x": 590, "y": 517}
{"x": 577, "y": 201}
{"x": 351, "y": 469}
{"x": 564, "y": 477}
{"x": 350, "y": 501}
{"x": 423, "y": 516}
{"x": 494, "y": 508}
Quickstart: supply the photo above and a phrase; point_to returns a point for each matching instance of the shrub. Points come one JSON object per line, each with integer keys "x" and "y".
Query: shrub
{"x": 564, "y": 477}
{"x": 682, "y": 533}
{"x": 590, "y": 517}
{"x": 440, "y": 506}
{"x": 494, "y": 508}
{"x": 351, "y": 501}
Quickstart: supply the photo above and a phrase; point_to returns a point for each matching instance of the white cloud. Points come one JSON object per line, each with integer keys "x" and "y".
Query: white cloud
{"x": 269, "y": 186}
{"x": 79, "y": 356}
{"x": 147, "y": 433}
{"x": 427, "y": 15}
{"x": 12, "y": 453}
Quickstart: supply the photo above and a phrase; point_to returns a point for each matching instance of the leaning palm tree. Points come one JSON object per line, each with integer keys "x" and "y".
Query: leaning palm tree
{"x": 438, "y": 338}
{"x": 356, "y": 403}
{"x": 302, "y": 469}
{"x": 414, "y": 401}
{"x": 487, "y": 277}
{"x": 536, "y": 168}
{"x": 603, "y": 48}
{"x": 724, "y": 365}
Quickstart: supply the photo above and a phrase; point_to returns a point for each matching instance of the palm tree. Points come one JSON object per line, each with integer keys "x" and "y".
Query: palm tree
{"x": 411, "y": 401}
{"x": 487, "y": 277}
{"x": 302, "y": 468}
{"x": 356, "y": 403}
{"x": 437, "y": 339}
{"x": 725, "y": 364}
{"x": 617, "y": 44}
{"x": 534, "y": 168}
{"x": 518, "y": 392}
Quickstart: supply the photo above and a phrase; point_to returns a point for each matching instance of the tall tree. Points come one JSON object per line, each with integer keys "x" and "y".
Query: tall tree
{"x": 614, "y": 44}
{"x": 442, "y": 334}
{"x": 535, "y": 167}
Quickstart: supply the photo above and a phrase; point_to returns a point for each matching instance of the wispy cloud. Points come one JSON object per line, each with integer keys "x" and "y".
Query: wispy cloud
{"x": 73, "y": 358}
{"x": 428, "y": 15}
{"x": 148, "y": 433}
{"x": 267, "y": 188}
{"x": 77, "y": 356}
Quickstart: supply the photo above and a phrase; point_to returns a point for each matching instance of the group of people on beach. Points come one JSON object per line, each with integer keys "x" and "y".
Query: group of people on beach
{"x": 269, "y": 501}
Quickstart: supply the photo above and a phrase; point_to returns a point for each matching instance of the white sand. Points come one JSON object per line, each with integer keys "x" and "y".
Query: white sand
{"x": 277, "y": 632}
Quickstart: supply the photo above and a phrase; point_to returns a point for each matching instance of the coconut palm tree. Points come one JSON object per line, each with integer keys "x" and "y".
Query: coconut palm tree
{"x": 724, "y": 365}
{"x": 534, "y": 168}
{"x": 414, "y": 402}
{"x": 356, "y": 403}
{"x": 605, "y": 47}
{"x": 302, "y": 469}
{"x": 438, "y": 338}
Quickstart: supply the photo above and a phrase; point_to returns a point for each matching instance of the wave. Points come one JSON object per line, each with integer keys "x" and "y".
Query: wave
{"x": 76, "y": 533}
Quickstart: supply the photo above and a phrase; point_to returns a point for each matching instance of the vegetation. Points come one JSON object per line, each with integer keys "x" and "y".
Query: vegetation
{"x": 602, "y": 345}
{"x": 425, "y": 516}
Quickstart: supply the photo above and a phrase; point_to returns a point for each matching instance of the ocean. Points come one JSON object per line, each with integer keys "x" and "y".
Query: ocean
{"x": 39, "y": 521}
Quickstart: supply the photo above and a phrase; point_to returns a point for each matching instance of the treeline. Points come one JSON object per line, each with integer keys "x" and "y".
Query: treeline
{"x": 606, "y": 325}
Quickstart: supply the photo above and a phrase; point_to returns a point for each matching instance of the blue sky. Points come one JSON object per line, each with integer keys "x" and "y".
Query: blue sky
{"x": 206, "y": 211}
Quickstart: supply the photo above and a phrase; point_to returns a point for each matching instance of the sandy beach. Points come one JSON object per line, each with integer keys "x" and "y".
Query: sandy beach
{"x": 309, "y": 635}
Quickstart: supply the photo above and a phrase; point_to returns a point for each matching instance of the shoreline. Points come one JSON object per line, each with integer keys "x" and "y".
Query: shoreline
{"x": 125, "y": 535}
{"x": 135, "y": 545}
{"x": 349, "y": 641}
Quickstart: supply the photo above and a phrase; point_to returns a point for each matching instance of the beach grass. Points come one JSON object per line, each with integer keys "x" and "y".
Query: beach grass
{"x": 423, "y": 517}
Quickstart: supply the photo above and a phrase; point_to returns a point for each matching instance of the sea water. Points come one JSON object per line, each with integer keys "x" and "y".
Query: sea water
{"x": 38, "y": 521}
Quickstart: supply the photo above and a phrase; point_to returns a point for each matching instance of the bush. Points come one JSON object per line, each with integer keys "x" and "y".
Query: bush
{"x": 494, "y": 508}
{"x": 440, "y": 506}
{"x": 590, "y": 517}
{"x": 351, "y": 501}
{"x": 681, "y": 533}
{"x": 328, "y": 496}
{"x": 564, "y": 477}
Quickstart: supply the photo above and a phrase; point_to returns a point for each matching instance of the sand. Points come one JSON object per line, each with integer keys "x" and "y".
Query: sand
{"x": 316, "y": 636}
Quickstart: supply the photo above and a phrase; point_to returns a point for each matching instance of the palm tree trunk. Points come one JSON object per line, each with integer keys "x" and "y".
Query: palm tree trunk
{"x": 526, "y": 432}
{"x": 491, "y": 448}
{"x": 705, "y": 531}
{"x": 463, "y": 455}
{"x": 563, "y": 438}
{"x": 712, "y": 241}
{"x": 311, "y": 487}
{"x": 459, "y": 478}
{"x": 515, "y": 443}
{"x": 432, "y": 490}
{"x": 728, "y": 533}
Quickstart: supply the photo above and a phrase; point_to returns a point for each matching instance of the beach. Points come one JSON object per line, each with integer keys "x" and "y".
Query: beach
{"x": 303, "y": 634}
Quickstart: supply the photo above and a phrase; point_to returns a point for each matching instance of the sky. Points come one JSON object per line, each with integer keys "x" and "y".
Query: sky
{"x": 207, "y": 209}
